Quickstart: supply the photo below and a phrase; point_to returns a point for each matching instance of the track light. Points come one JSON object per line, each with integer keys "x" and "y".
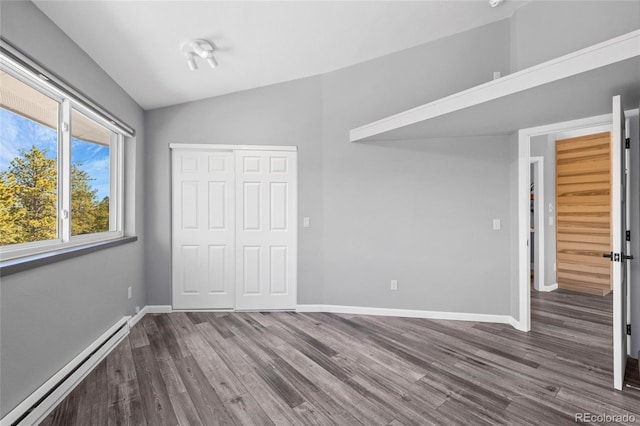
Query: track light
{"x": 191, "y": 61}
{"x": 494, "y": 3}
{"x": 201, "y": 48}
{"x": 212, "y": 61}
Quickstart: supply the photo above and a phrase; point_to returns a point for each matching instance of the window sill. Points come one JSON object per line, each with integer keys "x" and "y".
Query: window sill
{"x": 12, "y": 266}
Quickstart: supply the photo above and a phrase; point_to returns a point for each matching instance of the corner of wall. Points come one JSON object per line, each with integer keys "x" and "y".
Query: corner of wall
{"x": 513, "y": 228}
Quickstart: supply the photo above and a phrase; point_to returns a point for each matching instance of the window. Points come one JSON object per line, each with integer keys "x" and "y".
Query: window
{"x": 90, "y": 177}
{"x": 60, "y": 169}
{"x": 28, "y": 163}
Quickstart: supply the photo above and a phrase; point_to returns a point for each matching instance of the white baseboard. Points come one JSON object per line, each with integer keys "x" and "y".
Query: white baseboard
{"x": 362, "y": 310}
{"x": 549, "y": 287}
{"x": 518, "y": 325}
{"x": 158, "y": 309}
{"x": 58, "y": 394}
{"x": 149, "y": 309}
{"x": 137, "y": 317}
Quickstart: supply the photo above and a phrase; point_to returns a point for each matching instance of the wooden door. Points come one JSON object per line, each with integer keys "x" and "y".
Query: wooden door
{"x": 583, "y": 209}
{"x": 266, "y": 230}
{"x": 203, "y": 229}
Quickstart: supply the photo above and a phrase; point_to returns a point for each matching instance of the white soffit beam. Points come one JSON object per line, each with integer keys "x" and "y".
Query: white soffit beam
{"x": 599, "y": 55}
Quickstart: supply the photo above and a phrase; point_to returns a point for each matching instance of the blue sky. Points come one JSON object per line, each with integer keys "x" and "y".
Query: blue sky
{"x": 19, "y": 134}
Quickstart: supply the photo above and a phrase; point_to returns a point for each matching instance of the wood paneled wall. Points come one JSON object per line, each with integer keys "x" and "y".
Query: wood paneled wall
{"x": 583, "y": 213}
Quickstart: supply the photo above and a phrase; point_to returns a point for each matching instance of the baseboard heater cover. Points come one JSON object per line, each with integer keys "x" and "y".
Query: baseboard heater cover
{"x": 40, "y": 403}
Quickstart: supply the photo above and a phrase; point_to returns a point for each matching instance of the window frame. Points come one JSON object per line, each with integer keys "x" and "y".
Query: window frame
{"x": 67, "y": 103}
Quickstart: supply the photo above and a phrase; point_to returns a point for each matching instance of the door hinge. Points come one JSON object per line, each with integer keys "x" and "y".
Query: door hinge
{"x": 629, "y": 329}
{"x": 627, "y": 143}
{"x": 628, "y": 235}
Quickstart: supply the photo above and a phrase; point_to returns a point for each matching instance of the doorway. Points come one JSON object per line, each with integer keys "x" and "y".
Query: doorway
{"x": 234, "y": 227}
{"x": 614, "y": 122}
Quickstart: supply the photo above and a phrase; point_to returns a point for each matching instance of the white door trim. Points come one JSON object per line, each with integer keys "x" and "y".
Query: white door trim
{"x": 524, "y": 147}
{"x": 216, "y": 147}
{"x": 539, "y": 275}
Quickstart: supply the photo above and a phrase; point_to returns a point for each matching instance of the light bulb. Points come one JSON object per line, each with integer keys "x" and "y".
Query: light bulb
{"x": 191, "y": 61}
{"x": 212, "y": 61}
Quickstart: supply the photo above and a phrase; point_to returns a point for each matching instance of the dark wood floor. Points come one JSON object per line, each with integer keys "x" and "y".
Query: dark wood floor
{"x": 287, "y": 368}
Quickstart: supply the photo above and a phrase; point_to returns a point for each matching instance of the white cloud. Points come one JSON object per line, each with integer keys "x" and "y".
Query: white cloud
{"x": 96, "y": 167}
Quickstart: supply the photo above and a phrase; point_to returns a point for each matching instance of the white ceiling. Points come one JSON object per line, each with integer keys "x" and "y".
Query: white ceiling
{"x": 259, "y": 43}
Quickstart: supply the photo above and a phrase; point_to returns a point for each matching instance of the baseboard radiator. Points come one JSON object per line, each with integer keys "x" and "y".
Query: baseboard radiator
{"x": 40, "y": 403}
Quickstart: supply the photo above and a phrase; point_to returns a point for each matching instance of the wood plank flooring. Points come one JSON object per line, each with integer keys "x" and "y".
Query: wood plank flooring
{"x": 321, "y": 369}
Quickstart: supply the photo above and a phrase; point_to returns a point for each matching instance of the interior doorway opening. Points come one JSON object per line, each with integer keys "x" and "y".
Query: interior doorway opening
{"x": 610, "y": 122}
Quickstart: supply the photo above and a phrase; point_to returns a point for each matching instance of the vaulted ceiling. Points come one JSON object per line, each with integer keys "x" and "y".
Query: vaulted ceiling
{"x": 257, "y": 43}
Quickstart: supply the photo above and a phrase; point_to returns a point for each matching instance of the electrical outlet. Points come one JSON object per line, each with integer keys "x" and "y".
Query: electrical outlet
{"x": 306, "y": 222}
{"x": 394, "y": 285}
{"x": 137, "y": 309}
{"x": 129, "y": 292}
{"x": 497, "y": 224}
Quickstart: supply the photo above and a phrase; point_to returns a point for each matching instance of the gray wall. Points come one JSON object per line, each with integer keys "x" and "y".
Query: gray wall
{"x": 356, "y": 244}
{"x": 376, "y": 209}
{"x": 52, "y": 313}
{"x": 543, "y": 30}
{"x": 417, "y": 211}
{"x": 283, "y": 114}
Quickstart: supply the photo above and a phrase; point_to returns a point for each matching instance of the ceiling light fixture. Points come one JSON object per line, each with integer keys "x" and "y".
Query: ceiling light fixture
{"x": 191, "y": 61}
{"x": 199, "y": 48}
{"x": 495, "y": 3}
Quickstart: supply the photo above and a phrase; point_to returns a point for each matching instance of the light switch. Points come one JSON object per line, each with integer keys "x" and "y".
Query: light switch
{"x": 306, "y": 222}
{"x": 551, "y": 220}
{"x": 497, "y": 224}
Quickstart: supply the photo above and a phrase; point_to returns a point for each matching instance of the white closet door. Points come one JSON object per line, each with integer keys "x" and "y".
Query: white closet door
{"x": 203, "y": 237}
{"x": 266, "y": 230}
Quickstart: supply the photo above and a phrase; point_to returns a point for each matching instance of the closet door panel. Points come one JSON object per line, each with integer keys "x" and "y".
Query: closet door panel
{"x": 203, "y": 229}
{"x": 266, "y": 232}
